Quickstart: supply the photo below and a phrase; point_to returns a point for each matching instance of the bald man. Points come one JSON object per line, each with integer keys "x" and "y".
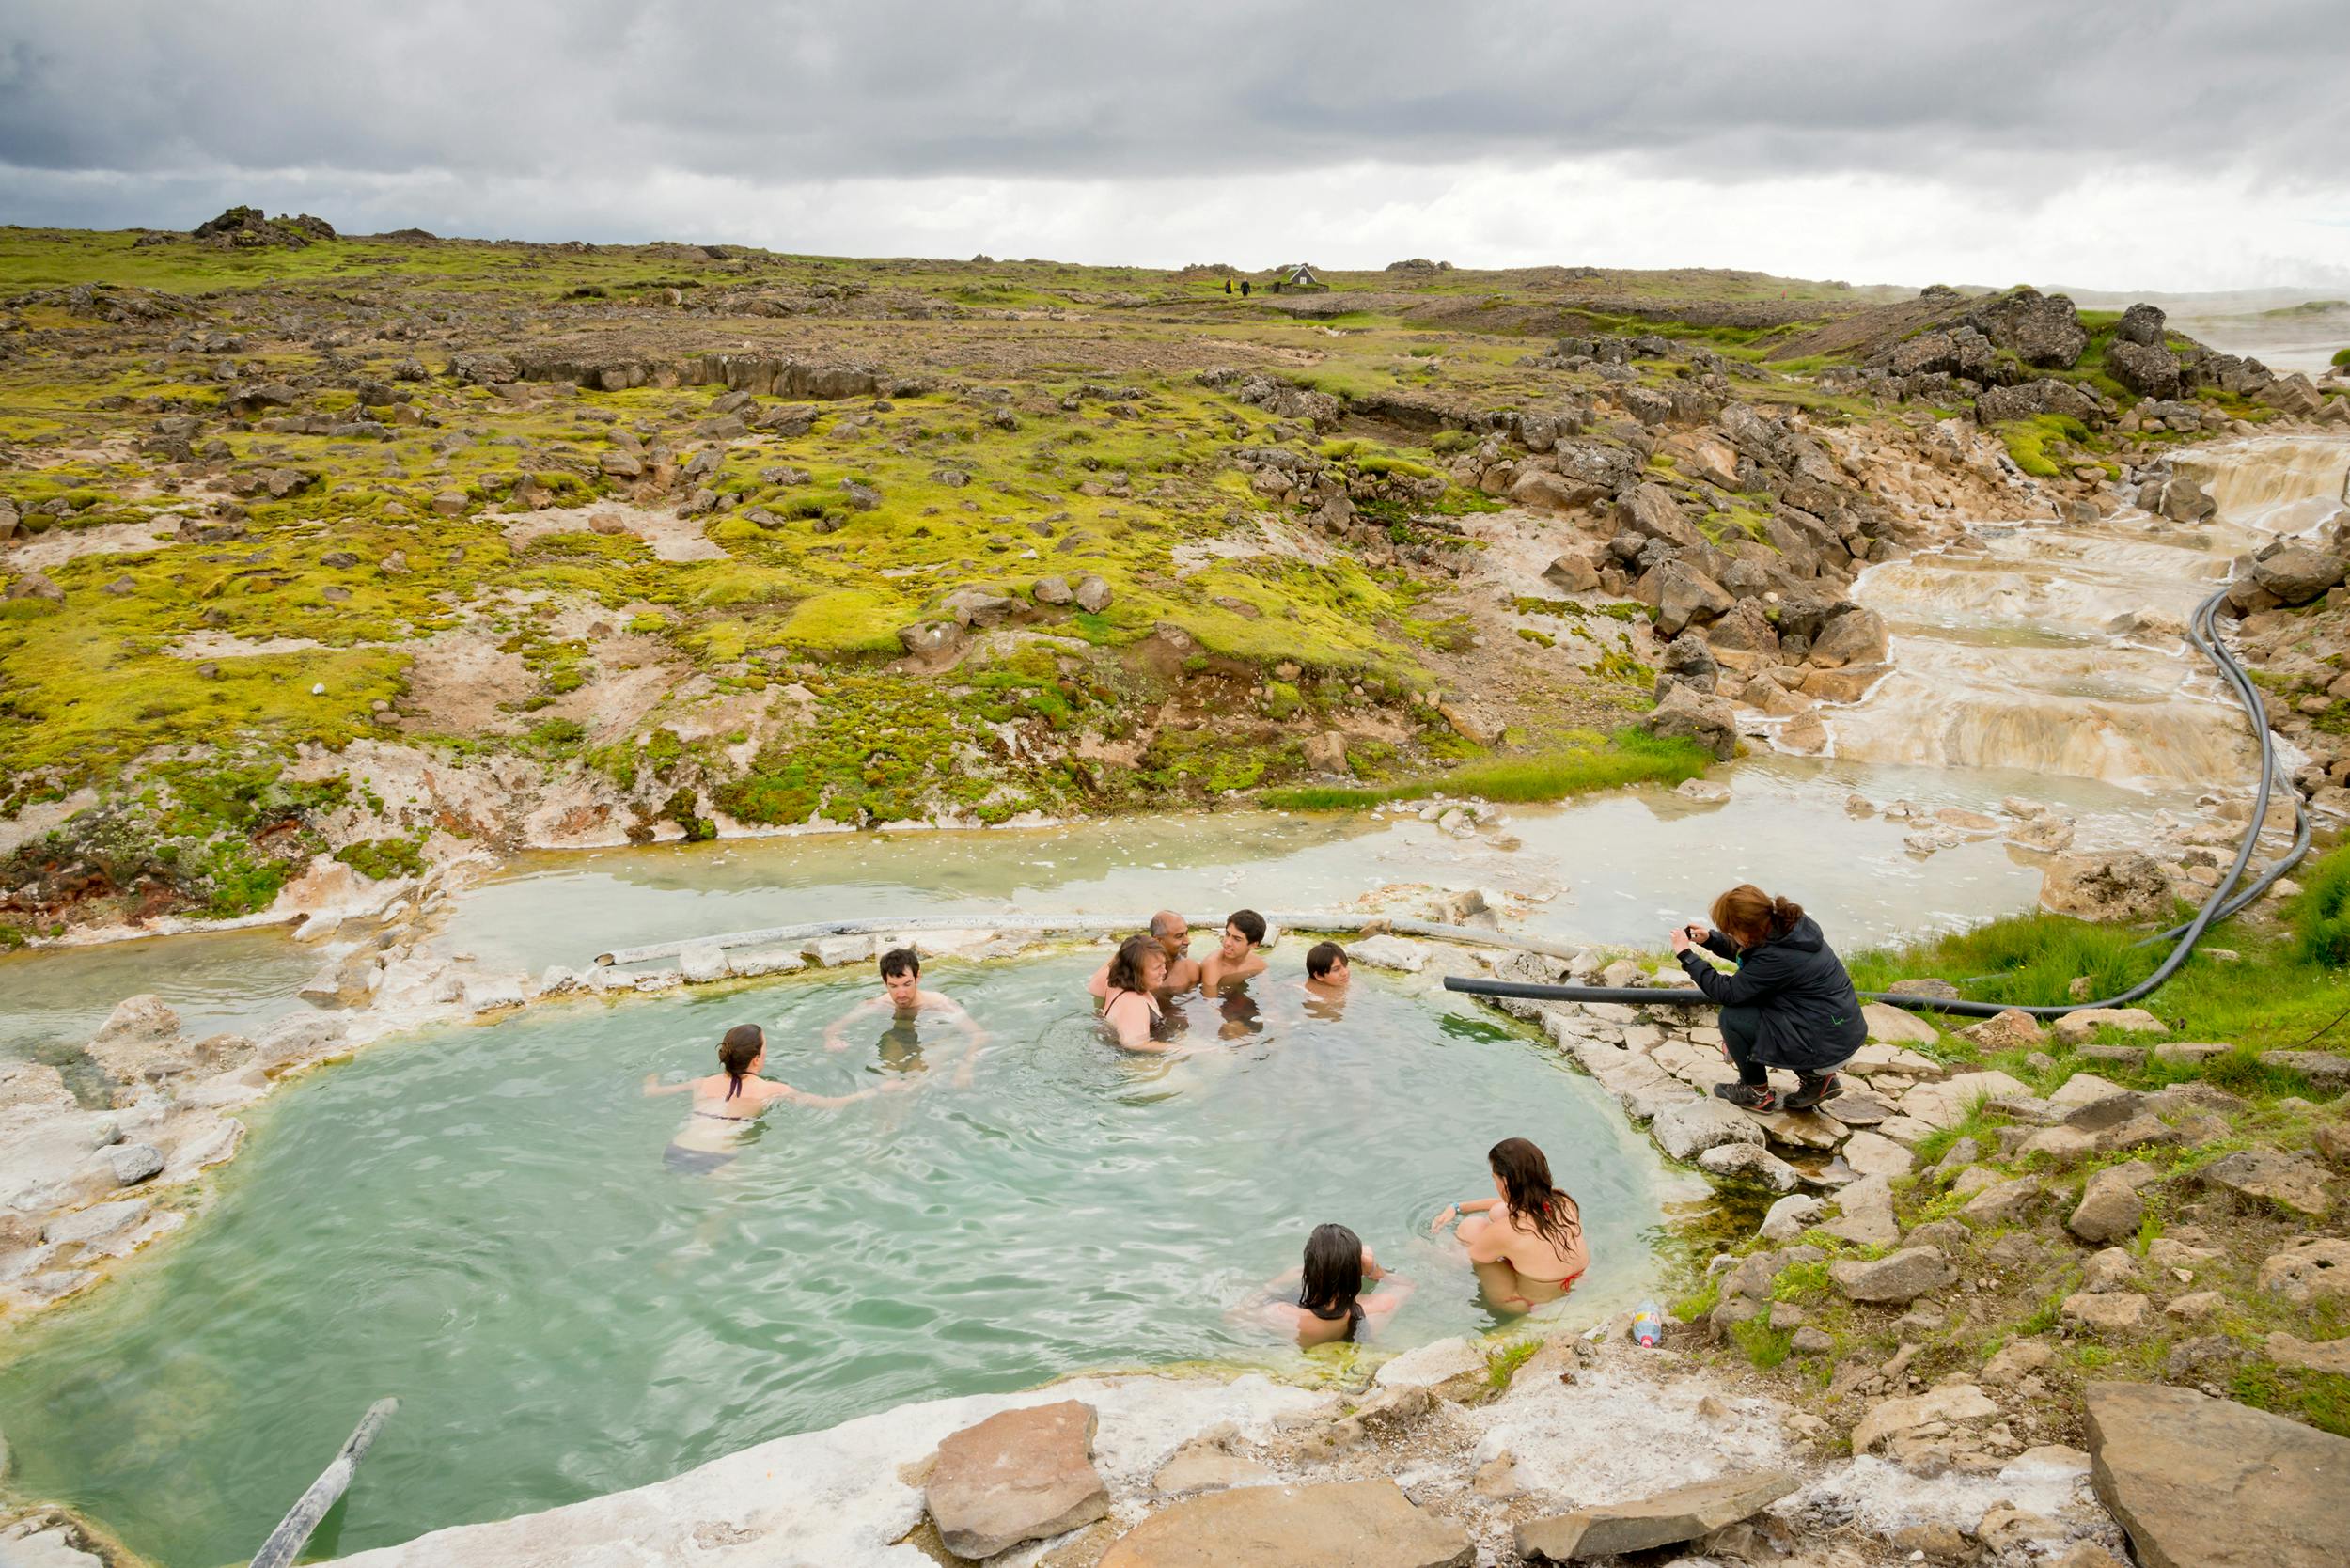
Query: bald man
{"x": 1168, "y": 929}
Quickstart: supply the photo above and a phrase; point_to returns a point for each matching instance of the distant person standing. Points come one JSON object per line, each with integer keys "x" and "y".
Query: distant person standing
{"x": 1228, "y": 285}
{"x": 1244, "y": 287}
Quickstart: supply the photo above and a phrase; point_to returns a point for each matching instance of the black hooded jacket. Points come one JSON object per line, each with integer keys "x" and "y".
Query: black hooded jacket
{"x": 1810, "y": 1013}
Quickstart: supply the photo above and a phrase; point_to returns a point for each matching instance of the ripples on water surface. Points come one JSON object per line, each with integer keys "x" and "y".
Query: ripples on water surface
{"x": 481, "y": 1222}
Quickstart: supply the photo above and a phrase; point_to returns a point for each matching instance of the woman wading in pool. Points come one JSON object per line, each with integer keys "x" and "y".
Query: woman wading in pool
{"x": 1329, "y": 1305}
{"x": 731, "y": 1098}
{"x": 1528, "y": 1247}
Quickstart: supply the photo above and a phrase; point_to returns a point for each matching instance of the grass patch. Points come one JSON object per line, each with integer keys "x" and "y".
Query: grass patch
{"x": 1629, "y": 757}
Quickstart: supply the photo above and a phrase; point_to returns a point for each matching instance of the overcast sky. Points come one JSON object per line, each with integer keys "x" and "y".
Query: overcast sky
{"x": 2152, "y": 144}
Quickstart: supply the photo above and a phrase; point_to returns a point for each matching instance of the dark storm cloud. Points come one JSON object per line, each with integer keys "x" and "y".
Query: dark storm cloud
{"x": 779, "y": 93}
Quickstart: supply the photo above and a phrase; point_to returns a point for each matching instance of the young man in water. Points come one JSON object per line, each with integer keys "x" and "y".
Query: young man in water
{"x": 1327, "y": 979}
{"x": 905, "y": 1001}
{"x": 1235, "y": 958}
{"x": 1173, "y": 937}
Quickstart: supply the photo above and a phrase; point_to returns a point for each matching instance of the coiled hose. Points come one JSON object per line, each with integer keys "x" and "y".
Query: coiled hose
{"x": 2225, "y": 899}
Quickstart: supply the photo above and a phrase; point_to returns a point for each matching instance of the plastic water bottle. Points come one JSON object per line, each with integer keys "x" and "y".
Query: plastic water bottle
{"x": 1648, "y": 1325}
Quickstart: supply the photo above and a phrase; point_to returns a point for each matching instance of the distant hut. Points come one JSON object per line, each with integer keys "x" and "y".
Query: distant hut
{"x": 1300, "y": 278}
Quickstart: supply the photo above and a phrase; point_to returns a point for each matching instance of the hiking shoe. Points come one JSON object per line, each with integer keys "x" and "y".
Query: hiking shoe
{"x": 1809, "y": 1091}
{"x": 1753, "y": 1097}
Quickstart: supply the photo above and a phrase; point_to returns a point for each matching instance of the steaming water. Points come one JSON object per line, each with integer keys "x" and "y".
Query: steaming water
{"x": 481, "y": 1222}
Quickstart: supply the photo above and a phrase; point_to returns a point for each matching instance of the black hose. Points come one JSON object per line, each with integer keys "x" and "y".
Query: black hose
{"x": 2203, "y": 632}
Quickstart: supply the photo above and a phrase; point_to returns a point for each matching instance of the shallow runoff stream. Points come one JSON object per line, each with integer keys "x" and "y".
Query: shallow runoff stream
{"x": 480, "y": 1221}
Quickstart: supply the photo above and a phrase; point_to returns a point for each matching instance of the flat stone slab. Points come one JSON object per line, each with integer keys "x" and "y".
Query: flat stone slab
{"x": 1428, "y": 1365}
{"x": 2202, "y": 1483}
{"x": 1895, "y": 1280}
{"x": 1943, "y": 1103}
{"x": 2281, "y": 1178}
{"x": 1896, "y": 1026}
{"x": 1683, "y": 1514}
{"x": 1198, "y": 1469}
{"x": 1021, "y": 1475}
{"x": 1957, "y": 1402}
{"x": 1352, "y": 1523}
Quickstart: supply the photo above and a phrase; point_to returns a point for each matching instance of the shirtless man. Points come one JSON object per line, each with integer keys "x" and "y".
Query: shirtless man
{"x": 1174, "y": 939}
{"x": 904, "y": 1000}
{"x": 1235, "y": 958}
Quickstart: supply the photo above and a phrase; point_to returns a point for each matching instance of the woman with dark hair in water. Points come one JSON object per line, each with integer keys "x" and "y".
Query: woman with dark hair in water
{"x": 1330, "y": 1305}
{"x": 731, "y": 1099}
{"x": 1790, "y": 1004}
{"x": 1129, "y": 1003}
{"x": 1527, "y": 1246}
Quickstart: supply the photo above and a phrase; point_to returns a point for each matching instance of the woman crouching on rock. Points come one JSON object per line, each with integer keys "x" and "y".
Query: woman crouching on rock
{"x": 1789, "y": 1004}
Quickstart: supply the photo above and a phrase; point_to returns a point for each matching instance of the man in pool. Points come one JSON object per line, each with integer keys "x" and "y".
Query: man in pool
{"x": 1235, "y": 960}
{"x": 906, "y": 1002}
{"x": 1327, "y": 979}
{"x": 1173, "y": 937}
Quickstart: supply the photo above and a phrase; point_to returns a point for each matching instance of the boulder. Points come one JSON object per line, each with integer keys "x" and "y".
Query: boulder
{"x": 2039, "y": 329}
{"x": 2110, "y": 1210}
{"x": 1021, "y": 1475}
{"x": 1572, "y": 574}
{"x": 1050, "y": 590}
{"x": 2297, "y": 575}
{"x": 1895, "y": 1280}
{"x": 2140, "y": 324}
{"x": 1897, "y": 1026}
{"x": 1998, "y": 404}
{"x": 931, "y": 638}
{"x": 2308, "y": 1273}
{"x": 1945, "y": 1103}
{"x": 2012, "y": 1031}
{"x": 134, "y": 1163}
{"x": 1857, "y": 637}
{"x": 2075, "y": 1028}
{"x": 2203, "y": 1482}
{"x": 2003, "y": 1203}
{"x": 978, "y": 606}
{"x": 1650, "y": 510}
{"x": 2151, "y": 370}
{"x": 1790, "y": 1218}
{"x": 1683, "y": 1514}
{"x": 1952, "y": 1402}
{"x": 2124, "y": 885}
{"x": 1866, "y": 1213}
{"x": 1750, "y": 1162}
{"x": 2277, "y": 1178}
{"x": 1201, "y": 1467}
{"x": 1350, "y": 1524}
{"x": 1873, "y": 1155}
{"x": 2332, "y": 1356}
{"x": 1709, "y": 721}
{"x": 2106, "y": 1311}
{"x": 1092, "y": 593}
{"x": 1695, "y": 1126}
{"x": 1687, "y": 597}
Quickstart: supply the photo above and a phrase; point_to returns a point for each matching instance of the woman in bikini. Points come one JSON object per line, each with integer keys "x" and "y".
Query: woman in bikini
{"x": 1130, "y": 1006}
{"x": 1330, "y": 1308}
{"x": 1528, "y": 1247}
{"x": 732, "y": 1098}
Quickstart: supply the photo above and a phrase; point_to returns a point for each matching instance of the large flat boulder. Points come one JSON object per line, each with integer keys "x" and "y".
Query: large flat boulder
{"x": 2281, "y": 1179}
{"x": 1683, "y": 1514}
{"x": 1021, "y": 1475}
{"x": 1352, "y": 1524}
{"x": 2203, "y": 1482}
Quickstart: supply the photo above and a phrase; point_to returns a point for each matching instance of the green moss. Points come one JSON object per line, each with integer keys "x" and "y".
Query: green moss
{"x": 384, "y": 859}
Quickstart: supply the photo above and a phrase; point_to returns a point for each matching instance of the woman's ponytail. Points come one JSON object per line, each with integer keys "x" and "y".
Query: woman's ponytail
{"x": 1784, "y": 914}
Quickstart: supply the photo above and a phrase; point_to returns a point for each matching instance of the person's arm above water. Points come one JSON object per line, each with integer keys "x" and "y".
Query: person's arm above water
{"x": 1454, "y": 1210}
{"x": 654, "y": 1086}
{"x": 777, "y": 1089}
{"x": 1099, "y": 986}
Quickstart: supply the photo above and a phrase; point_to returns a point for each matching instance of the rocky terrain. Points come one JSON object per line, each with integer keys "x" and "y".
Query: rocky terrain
{"x": 329, "y": 563}
{"x": 392, "y": 550}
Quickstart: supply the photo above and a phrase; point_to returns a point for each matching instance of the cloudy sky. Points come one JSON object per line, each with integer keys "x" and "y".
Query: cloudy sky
{"x": 2152, "y": 144}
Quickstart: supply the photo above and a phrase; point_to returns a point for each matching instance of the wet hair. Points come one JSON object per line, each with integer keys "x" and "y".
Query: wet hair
{"x": 1322, "y": 957}
{"x": 1333, "y": 1276}
{"x": 737, "y": 1051}
{"x": 1752, "y": 917}
{"x": 1162, "y": 924}
{"x": 1526, "y": 1177}
{"x": 1127, "y": 963}
{"x": 900, "y": 961}
{"x": 1249, "y": 923}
